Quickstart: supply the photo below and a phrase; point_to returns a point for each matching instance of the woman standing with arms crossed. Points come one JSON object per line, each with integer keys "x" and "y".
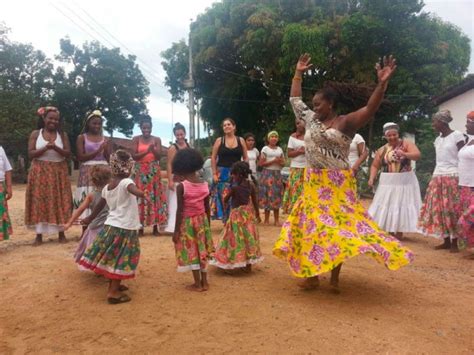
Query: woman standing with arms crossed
{"x": 227, "y": 150}
{"x": 147, "y": 177}
{"x": 92, "y": 149}
{"x": 328, "y": 224}
{"x": 173, "y": 180}
{"x": 48, "y": 204}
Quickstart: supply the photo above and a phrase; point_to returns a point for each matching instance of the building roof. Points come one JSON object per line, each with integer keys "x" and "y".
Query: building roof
{"x": 464, "y": 85}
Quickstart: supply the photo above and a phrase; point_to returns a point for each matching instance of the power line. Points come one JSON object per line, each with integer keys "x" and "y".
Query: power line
{"x": 150, "y": 71}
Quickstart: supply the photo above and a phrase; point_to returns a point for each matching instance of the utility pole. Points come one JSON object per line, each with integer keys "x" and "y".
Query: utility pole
{"x": 198, "y": 115}
{"x": 189, "y": 85}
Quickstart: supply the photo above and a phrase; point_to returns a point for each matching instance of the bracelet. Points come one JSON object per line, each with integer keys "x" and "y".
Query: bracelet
{"x": 297, "y": 78}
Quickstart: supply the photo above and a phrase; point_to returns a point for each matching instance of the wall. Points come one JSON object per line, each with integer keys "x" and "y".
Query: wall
{"x": 459, "y": 106}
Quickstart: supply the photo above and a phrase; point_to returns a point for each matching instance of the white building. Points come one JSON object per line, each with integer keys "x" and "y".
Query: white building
{"x": 459, "y": 99}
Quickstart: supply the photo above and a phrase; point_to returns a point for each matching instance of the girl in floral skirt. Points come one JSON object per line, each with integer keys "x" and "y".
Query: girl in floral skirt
{"x": 239, "y": 246}
{"x": 5, "y": 195}
{"x": 99, "y": 177}
{"x": 116, "y": 250}
{"x": 270, "y": 190}
{"x": 192, "y": 237}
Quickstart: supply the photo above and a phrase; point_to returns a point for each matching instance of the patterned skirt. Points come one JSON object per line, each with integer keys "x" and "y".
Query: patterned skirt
{"x": 270, "y": 189}
{"x": 84, "y": 185}
{"x": 294, "y": 188}
{"x": 239, "y": 245}
{"x": 48, "y": 203}
{"x": 114, "y": 253}
{"x": 328, "y": 225}
{"x": 6, "y": 225}
{"x": 88, "y": 237}
{"x": 195, "y": 247}
{"x": 466, "y": 221}
{"x": 218, "y": 191}
{"x": 148, "y": 179}
{"x": 441, "y": 208}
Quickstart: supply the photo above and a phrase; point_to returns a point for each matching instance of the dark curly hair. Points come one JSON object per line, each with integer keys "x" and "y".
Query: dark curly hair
{"x": 187, "y": 161}
{"x": 329, "y": 94}
{"x": 145, "y": 119}
{"x": 242, "y": 169}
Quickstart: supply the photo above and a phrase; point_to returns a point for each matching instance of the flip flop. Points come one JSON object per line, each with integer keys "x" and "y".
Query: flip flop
{"x": 121, "y": 299}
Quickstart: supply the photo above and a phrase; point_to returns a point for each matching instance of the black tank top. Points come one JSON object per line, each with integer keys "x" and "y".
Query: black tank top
{"x": 228, "y": 156}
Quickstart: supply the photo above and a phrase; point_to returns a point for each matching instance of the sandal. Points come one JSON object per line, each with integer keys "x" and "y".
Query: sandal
{"x": 121, "y": 299}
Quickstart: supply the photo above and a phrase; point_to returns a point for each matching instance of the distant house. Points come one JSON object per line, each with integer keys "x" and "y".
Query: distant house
{"x": 459, "y": 99}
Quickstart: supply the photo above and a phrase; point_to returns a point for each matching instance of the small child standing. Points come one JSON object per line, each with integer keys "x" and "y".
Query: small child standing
{"x": 100, "y": 176}
{"x": 239, "y": 246}
{"x": 116, "y": 250}
{"x": 192, "y": 237}
{"x": 270, "y": 186}
{"x": 5, "y": 195}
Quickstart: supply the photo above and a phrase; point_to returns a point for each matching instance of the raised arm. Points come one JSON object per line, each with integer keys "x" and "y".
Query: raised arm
{"x": 300, "y": 109}
{"x": 359, "y": 118}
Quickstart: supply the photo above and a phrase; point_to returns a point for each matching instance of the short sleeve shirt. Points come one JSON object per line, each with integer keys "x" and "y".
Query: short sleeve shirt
{"x": 271, "y": 154}
{"x": 123, "y": 206}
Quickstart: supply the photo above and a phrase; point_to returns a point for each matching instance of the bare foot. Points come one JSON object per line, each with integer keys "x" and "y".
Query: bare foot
{"x": 247, "y": 269}
{"x": 38, "y": 241}
{"x": 156, "y": 232}
{"x": 194, "y": 287}
{"x": 205, "y": 285}
{"x": 311, "y": 283}
{"x": 140, "y": 233}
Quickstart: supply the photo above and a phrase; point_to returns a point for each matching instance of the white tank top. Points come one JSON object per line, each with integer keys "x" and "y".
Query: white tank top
{"x": 50, "y": 154}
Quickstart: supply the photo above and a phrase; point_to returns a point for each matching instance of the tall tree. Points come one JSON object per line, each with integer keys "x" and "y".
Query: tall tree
{"x": 103, "y": 79}
{"x": 245, "y": 51}
{"x": 25, "y": 81}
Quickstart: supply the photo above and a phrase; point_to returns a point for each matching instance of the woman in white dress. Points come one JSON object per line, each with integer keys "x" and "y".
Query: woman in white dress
{"x": 397, "y": 201}
{"x": 173, "y": 180}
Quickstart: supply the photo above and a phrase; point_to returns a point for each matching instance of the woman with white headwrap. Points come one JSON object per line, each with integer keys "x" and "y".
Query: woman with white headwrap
{"x": 441, "y": 208}
{"x": 397, "y": 201}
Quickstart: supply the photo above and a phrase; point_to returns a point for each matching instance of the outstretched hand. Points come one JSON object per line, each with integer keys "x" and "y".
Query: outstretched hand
{"x": 389, "y": 65}
{"x": 304, "y": 63}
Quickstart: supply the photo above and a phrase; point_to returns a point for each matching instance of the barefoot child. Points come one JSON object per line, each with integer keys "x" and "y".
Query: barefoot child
{"x": 239, "y": 246}
{"x": 99, "y": 176}
{"x": 116, "y": 250}
{"x": 192, "y": 237}
{"x": 5, "y": 195}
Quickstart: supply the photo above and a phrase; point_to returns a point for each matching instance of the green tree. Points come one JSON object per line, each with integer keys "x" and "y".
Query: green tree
{"x": 25, "y": 81}
{"x": 245, "y": 52}
{"x": 103, "y": 79}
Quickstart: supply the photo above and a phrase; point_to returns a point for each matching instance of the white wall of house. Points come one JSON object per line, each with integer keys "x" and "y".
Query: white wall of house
{"x": 459, "y": 106}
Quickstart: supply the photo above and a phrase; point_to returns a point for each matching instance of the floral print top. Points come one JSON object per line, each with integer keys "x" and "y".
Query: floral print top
{"x": 326, "y": 148}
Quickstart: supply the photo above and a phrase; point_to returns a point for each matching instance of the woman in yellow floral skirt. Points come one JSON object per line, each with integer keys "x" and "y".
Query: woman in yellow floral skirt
{"x": 328, "y": 224}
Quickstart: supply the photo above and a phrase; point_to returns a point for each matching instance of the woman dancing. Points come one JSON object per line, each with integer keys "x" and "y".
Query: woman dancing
{"x": 328, "y": 224}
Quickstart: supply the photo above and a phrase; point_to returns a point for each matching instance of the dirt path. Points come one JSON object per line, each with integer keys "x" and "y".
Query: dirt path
{"x": 47, "y": 305}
